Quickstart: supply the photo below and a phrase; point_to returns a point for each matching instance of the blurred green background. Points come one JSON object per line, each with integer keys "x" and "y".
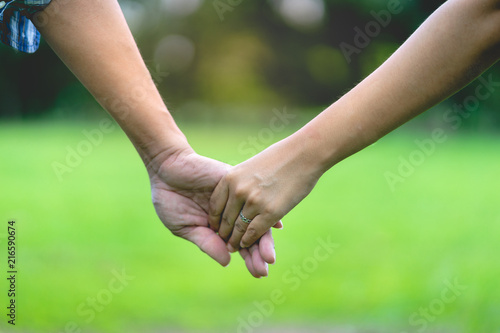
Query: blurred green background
{"x": 220, "y": 59}
{"x": 409, "y": 256}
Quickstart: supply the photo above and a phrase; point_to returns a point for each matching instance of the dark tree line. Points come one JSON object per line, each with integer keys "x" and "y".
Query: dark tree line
{"x": 250, "y": 56}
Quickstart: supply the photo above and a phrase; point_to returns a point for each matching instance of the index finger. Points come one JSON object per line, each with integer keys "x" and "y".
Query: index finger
{"x": 217, "y": 204}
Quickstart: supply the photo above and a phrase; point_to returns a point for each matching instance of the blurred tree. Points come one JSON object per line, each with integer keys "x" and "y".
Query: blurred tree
{"x": 214, "y": 54}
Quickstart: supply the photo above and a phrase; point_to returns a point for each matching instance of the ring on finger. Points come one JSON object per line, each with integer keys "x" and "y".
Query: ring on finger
{"x": 244, "y": 219}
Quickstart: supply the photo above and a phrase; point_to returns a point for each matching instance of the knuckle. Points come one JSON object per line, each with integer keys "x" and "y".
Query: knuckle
{"x": 226, "y": 220}
{"x": 178, "y": 231}
{"x": 240, "y": 192}
{"x": 240, "y": 228}
{"x": 269, "y": 211}
{"x": 251, "y": 234}
{"x": 230, "y": 177}
{"x": 253, "y": 200}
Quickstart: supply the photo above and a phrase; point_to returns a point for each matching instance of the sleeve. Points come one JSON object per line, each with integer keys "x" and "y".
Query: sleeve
{"x": 16, "y": 28}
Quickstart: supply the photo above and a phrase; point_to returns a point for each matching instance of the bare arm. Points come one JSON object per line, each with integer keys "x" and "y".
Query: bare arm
{"x": 457, "y": 43}
{"x": 92, "y": 38}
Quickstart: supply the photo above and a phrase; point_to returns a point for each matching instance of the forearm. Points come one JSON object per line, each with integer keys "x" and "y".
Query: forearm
{"x": 92, "y": 38}
{"x": 456, "y": 44}
{"x": 451, "y": 48}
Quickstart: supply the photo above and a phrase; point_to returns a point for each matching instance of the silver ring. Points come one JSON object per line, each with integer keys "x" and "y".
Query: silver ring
{"x": 244, "y": 219}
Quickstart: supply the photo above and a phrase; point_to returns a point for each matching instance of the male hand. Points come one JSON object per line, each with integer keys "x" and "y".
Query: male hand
{"x": 181, "y": 190}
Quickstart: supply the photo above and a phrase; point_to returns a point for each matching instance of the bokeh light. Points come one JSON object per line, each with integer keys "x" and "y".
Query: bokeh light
{"x": 302, "y": 13}
{"x": 135, "y": 13}
{"x": 174, "y": 53}
{"x": 180, "y": 7}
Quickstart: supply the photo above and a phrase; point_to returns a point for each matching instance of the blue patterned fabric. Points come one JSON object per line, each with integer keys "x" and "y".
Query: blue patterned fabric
{"x": 16, "y": 28}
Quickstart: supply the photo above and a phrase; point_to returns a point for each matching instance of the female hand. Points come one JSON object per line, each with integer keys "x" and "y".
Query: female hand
{"x": 262, "y": 189}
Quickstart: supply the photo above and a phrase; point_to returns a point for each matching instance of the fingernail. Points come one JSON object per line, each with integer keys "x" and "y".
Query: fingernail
{"x": 230, "y": 248}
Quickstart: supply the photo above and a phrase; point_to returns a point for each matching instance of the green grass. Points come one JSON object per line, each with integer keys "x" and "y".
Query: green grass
{"x": 395, "y": 251}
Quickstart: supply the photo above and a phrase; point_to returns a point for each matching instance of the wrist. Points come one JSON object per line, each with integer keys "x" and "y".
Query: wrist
{"x": 315, "y": 155}
{"x": 163, "y": 153}
{"x": 154, "y": 134}
{"x": 303, "y": 150}
{"x": 335, "y": 134}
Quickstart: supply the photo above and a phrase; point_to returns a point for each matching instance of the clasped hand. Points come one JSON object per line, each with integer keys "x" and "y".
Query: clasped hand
{"x": 200, "y": 200}
{"x": 181, "y": 189}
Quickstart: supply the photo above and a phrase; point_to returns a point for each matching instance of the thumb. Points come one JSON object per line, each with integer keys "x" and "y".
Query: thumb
{"x": 217, "y": 204}
{"x": 210, "y": 243}
{"x": 278, "y": 225}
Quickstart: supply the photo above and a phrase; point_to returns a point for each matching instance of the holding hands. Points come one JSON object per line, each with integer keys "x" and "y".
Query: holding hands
{"x": 181, "y": 189}
{"x": 254, "y": 195}
{"x": 196, "y": 197}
